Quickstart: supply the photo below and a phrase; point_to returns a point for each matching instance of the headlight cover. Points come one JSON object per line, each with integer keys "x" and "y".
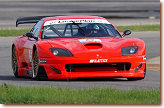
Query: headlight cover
{"x": 129, "y": 50}
{"x": 61, "y": 52}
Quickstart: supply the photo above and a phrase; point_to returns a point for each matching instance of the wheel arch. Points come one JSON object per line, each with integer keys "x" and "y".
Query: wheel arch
{"x": 13, "y": 45}
{"x": 33, "y": 50}
{"x": 42, "y": 74}
{"x": 16, "y": 72}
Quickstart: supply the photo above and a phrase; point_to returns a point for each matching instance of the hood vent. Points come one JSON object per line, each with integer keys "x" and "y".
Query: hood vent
{"x": 93, "y": 45}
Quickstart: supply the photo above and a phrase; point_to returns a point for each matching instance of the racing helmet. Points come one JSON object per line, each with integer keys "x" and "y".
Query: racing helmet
{"x": 93, "y": 27}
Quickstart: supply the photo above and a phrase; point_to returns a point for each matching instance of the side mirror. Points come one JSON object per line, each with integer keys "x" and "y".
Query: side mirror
{"x": 126, "y": 32}
{"x": 31, "y": 35}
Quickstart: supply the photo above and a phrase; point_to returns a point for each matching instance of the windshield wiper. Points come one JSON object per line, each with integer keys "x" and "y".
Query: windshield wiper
{"x": 83, "y": 31}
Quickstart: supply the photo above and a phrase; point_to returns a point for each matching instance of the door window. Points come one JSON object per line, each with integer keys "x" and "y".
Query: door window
{"x": 36, "y": 29}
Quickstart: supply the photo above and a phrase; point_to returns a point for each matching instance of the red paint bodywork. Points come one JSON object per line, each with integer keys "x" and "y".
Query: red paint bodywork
{"x": 109, "y": 48}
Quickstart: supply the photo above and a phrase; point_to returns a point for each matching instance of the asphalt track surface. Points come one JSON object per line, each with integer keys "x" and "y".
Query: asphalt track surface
{"x": 152, "y": 80}
{"x": 144, "y": 11}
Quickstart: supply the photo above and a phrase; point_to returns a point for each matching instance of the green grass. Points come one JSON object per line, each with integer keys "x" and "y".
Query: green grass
{"x": 13, "y": 32}
{"x": 18, "y": 32}
{"x": 51, "y": 95}
{"x": 139, "y": 28}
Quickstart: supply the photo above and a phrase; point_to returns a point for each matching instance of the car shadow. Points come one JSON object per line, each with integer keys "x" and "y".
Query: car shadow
{"x": 12, "y": 78}
{"x": 107, "y": 79}
{"x": 100, "y": 79}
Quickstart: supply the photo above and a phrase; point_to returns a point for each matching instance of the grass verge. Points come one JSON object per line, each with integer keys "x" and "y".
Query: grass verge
{"x": 139, "y": 28}
{"x": 51, "y": 95}
{"x": 18, "y": 32}
{"x": 13, "y": 32}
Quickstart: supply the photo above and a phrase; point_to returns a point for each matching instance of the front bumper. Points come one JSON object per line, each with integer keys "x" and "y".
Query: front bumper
{"x": 56, "y": 67}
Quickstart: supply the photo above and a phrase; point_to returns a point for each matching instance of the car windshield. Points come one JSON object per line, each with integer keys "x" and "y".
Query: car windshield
{"x": 70, "y": 30}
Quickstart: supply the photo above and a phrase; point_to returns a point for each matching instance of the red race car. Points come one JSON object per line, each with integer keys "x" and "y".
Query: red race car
{"x": 69, "y": 47}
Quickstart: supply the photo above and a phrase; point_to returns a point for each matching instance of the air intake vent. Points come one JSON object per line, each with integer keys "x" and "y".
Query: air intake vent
{"x": 93, "y": 46}
{"x": 95, "y": 67}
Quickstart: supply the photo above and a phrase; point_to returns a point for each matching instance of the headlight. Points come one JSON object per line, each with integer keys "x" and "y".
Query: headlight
{"x": 61, "y": 52}
{"x": 129, "y": 50}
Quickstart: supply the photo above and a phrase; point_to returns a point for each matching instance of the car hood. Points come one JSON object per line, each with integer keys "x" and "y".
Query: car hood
{"x": 103, "y": 46}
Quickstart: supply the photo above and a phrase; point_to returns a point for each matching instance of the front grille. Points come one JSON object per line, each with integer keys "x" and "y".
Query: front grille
{"x": 92, "y": 67}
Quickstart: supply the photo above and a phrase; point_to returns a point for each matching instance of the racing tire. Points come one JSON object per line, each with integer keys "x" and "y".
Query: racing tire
{"x": 14, "y": 62}
{"x": 35, "y": 66}
{"x": 137, "y": 78}
{"x": 38, "y": 71}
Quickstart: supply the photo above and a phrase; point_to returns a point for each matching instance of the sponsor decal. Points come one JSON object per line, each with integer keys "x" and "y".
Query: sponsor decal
{"x": 52, "y": 22}
{"x": 89, "y": 40}
{"x": 98, "y": 60}
{"x": 42, "y": 61}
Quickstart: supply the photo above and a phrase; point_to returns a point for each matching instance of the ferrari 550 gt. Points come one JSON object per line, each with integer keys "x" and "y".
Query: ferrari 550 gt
{"x": 69, "y": 47}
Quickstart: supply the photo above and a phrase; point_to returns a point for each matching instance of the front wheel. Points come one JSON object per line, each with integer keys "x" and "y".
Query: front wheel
{"x": 14, "y": 62}
{"x": 35, "y": 66}
{"x": 38, "y": 71}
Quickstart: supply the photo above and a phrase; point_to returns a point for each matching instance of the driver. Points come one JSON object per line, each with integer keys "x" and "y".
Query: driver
{"x": 92, "y": 29}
